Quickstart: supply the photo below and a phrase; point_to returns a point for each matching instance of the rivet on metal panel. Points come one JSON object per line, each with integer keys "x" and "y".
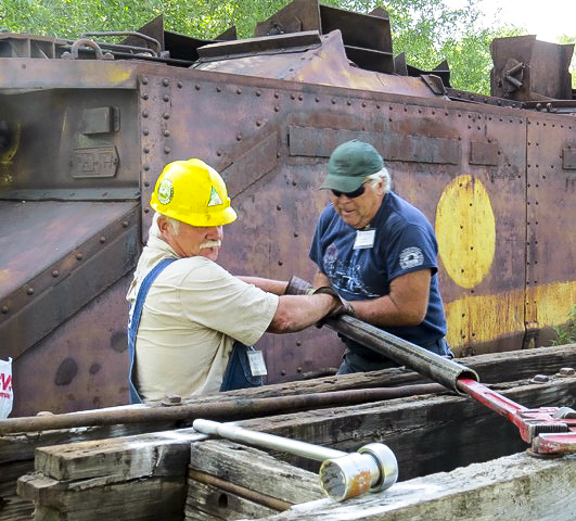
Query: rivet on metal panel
{"x": 197, "y": 87}
{"x": 146, "y": 150}
{"x": 125, "y": 224}
{"x": 146, "y": 167}
{"x": 166, "y": 133}
{"x": 283, "y": 372}
{"x": 239, "y": 137}
{"x": 145, "y": 96}
{"x": 333, "y": 101}
{"x": 276, "y": 109}
{"x": 165, "y": 82}
{"x": 298, "y": 343}
{"x": 166, "y": 97}
{"x": 292, "y": 96}
{"x": 280, "y": 263}
{"x": 145, "y": 131}
{"x": 166, "y": 150}
{"x": 102, "y": 240}
{"x": 378, "y": 106}
{"x": 296, "y": 235}
{"x": 55, "y": 273}
{"x": 299, "y": 369}
{"x": 258, "y": 93}
{"x": 30, "y": 291}
{"x": 300, "y": 97}
{"x": 364, "y": 104}
{"x": 276, "y": 95}
{"x": 218, "y": 89}
{"x": 238, "y": 91}
{"x": 5, "y": 310}
{"x": 146, "y": 210}
{"x": 349, "y": 102}
{"x": 145, "y": 81}
{"x": 145, "y": 114}
{"x": 179, "y": 84}
{"x": 166, "y": 115}
{"x": 79, "y": 256}
{"x": 147, "y": 184}
{"x": 258, "y": 123}
{"x": 218, "y": 153}
{"x": 317, "y": 99}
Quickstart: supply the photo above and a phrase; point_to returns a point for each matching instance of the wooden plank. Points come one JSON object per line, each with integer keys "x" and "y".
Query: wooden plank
{"x": 209, "y": 503}
{"x": 13, "y": 507}
{"x": 444, "y": 431}
{"x": 142, "y": 500}
{"x": 119, "y": 459}
{"x": 255, "y": 470}
{"x": 515, "y": 488}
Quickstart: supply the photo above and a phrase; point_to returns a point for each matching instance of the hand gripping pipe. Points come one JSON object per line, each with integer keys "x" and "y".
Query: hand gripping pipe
{"x": 342, "y": 475}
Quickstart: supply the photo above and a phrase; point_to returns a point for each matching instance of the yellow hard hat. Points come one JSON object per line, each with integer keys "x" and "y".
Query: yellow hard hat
{"x": 194, "y": 193}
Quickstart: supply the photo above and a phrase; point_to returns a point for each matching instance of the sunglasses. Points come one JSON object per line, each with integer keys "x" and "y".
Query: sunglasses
{"x": 351, "y": 195}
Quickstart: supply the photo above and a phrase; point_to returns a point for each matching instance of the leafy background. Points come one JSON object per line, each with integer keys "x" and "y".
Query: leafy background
{"x": 427, "y": 31}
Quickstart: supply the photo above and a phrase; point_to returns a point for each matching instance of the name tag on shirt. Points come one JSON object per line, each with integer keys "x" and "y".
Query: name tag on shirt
{"x": 364, "y": 239}
{"x": 257, "y": 363}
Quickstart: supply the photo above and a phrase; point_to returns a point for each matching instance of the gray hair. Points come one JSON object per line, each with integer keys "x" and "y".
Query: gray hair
{"x": 381, "y": 175}
{"x": 175, "y": 223}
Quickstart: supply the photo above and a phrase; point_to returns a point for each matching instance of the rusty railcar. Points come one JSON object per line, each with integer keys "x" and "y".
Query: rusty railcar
{"x": 86, "y": 128}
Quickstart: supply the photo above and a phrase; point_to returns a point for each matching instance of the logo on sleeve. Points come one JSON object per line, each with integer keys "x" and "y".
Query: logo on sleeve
{"x": 411, "y": 257}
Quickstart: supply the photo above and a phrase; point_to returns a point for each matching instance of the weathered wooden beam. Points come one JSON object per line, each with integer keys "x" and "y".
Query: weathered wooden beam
{"x": 254, "y": 469}
{"x": 444, "y": 431}
{"x": 119, "y": 459}
{"x": 515, "y": 488}
{"x": 86, "y": 500}
{"x": 232, "y": 481}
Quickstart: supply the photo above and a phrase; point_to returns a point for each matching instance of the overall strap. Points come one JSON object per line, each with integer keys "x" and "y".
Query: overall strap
{"x": 135, "y": 322}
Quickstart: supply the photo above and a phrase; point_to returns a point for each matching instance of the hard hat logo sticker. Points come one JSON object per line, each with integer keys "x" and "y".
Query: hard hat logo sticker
{"x": 165, "y": 191}
{"x": 214, "y": 198}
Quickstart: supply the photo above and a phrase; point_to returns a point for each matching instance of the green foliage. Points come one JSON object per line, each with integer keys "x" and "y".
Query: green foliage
{"x": 566, "y": 334}
{"x": 427, "y": 31}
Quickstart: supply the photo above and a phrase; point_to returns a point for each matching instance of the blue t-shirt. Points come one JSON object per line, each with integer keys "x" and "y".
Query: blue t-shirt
{"x": 404, "y": 241}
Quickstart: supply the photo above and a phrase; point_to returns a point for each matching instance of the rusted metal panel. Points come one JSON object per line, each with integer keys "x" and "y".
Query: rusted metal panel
{"x": 550, "y": 204}
{"x": 68, "y": 144}
{"x": 527, "y": 69}
{"x": 85, "y": 248}
{"x": 394, "y": 147}
{"x": 80, "y": 365}
{"x": 482, "y": 153}
{"x": 569, "y": 159}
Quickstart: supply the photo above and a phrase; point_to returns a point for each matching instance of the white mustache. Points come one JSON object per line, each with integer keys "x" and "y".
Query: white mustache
{"x": 211, "y": 244}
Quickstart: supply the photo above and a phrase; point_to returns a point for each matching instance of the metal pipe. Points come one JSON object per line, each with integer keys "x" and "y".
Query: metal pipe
{"x": 229, "y": 407}
{"x": 426, "y": 363}
{"x": 269, "y": 441}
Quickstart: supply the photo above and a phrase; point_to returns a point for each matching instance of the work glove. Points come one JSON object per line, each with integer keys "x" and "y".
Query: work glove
{"x": 297, "y": 286}
{"x": 344, "y": 307}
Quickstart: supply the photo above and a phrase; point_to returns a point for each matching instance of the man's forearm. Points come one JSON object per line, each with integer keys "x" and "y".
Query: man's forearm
{"x": 271, "y": 286}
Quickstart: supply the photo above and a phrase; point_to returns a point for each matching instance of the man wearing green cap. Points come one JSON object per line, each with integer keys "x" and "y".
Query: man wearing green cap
{"x": 380, "y": 253}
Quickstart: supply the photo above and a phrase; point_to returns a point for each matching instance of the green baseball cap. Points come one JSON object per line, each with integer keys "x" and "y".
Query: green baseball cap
{"x": 350, "y": 163}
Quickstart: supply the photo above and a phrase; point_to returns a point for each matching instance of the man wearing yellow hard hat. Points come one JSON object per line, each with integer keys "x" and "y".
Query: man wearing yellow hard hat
{"x": 192, "y": 324}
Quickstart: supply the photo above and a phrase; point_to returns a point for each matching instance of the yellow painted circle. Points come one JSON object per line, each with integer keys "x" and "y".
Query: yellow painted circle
{"x": 466, "y": 231}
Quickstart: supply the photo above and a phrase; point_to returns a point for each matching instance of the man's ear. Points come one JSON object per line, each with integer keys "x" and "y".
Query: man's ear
{"x": 163, "y": 224}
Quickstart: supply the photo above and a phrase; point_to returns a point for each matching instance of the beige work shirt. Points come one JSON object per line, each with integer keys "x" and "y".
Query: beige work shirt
{"x": 193, "y": 313}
